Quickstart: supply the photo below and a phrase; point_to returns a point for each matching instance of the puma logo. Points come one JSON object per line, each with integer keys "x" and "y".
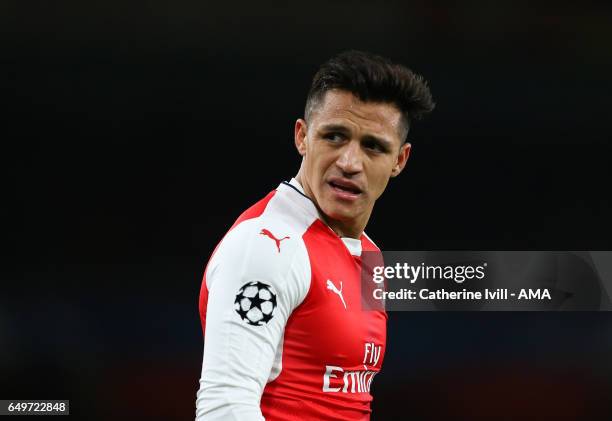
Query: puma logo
{"x": 332, "y": 287}
{"x": 267, "y": 233}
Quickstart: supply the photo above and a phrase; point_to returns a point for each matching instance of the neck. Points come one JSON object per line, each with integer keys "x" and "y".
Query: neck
{"x": 351, "y": 229}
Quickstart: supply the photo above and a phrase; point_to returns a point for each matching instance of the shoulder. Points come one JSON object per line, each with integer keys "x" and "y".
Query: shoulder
{"x": 262, "y": 245}
{"x": 268, "y": 249}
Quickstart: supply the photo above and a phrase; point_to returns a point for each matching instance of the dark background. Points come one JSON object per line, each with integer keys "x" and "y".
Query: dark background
{"x": 134, "y": 134}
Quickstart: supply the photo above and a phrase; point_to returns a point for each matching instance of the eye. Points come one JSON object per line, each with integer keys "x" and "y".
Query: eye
{"x": 334, "y": 137}
{"x": 375, "y": 146}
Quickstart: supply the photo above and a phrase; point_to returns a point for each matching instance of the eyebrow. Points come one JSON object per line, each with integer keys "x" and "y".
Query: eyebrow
{"x": 344, "y": 130}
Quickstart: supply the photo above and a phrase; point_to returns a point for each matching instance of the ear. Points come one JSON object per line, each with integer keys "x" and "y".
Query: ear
{"x": 402, "y": 157}
{"x": 300, "y": 136}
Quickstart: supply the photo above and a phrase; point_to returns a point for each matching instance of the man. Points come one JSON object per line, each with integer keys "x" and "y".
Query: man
{"x": 284, "y": 335}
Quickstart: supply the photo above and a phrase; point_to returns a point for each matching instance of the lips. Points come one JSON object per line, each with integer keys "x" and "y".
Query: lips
{"x": 344, "y": 186}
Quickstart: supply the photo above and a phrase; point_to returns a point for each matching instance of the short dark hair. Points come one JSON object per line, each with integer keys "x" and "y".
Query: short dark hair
{"x": 372, "y": 78}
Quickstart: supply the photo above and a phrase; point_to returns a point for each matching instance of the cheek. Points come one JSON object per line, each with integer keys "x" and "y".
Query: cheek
{"x": 320, "y": 164}
{"x": 379, "y": 181}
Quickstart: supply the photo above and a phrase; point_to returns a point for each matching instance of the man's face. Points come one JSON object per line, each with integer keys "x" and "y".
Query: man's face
{"x": 350, "y": 150}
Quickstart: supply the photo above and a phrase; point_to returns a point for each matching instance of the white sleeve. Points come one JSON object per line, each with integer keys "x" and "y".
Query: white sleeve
{"x": 242, "y": 351}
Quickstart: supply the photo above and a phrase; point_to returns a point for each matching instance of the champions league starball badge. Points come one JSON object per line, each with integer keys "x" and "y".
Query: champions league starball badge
{"x": 255, "y": 303}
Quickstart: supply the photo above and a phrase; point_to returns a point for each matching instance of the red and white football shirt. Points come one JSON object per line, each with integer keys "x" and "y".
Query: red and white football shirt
{"x": 284, "y": 334}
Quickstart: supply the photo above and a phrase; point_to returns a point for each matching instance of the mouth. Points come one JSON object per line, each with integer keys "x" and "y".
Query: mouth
{"x": 344, "y": 189}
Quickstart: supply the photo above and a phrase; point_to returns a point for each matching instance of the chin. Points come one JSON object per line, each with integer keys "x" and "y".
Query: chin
{"x": 339, "y": 213}
{"x": 339, "y": 210}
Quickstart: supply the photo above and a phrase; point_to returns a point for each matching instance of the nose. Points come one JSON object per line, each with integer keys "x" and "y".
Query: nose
{"x": 350, "y": 160}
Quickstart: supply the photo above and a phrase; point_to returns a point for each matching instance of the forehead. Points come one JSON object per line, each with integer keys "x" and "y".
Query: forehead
{"x": 343, "y": 107}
